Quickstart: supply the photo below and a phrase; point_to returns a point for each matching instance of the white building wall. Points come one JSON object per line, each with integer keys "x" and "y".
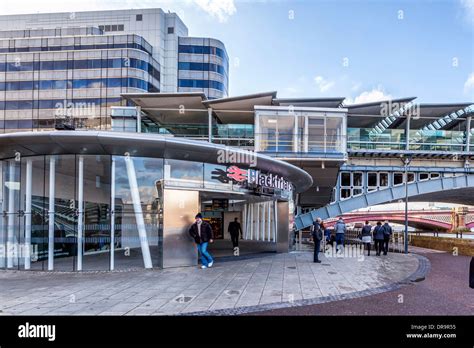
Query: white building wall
{"x": 153, "y": 27}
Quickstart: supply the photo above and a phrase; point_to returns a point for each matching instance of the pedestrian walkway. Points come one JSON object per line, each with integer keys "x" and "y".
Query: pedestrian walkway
{"x": 232, "y": 287}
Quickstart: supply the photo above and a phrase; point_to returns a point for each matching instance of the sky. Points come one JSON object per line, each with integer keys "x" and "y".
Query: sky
{"x": 359, "y": 49}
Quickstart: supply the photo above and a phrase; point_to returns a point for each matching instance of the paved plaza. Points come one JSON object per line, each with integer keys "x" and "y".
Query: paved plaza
{"x": 232, "y": 287}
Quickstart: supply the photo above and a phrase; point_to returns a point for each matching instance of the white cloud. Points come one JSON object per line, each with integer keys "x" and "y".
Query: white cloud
{"x": 221, "y": 9}
{"x": 356, "y": 86}
{"x": 376, "y": 94}
{"x": 468, "y": 6}
{"x": 469, "y": 84}
{"x": 323, "y": 84}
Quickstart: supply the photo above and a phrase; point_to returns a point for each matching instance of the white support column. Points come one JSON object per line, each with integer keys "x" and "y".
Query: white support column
{"x": 262, "y": 221}
{"x": 257, "y": 221}
{"x": 112, "y": 215}
{"x": 295, "y": 133}
{"x": 275, "y": 220}
{"x": 407, "y": 133}
{"x": 80, "y": 215}
{"x": 257, "y": 134}
{"x": 139, "y": 119}
{"x": 137, "y": 207}
{"x": 209, "y": 114}
{"x": 3, "y": 224}
{"x": 11, "y": 215}
{"x": 269, "y": 221}
{"x": 52, "y": 193}
{"x": 468, "y": 132}
{"x": 251, "y": 209}
{"x": 306, "y": 135}
{"x": 28, "y": 213}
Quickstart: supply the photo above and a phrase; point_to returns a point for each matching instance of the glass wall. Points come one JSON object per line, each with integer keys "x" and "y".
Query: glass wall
{"x": 95, "y": 212}
{"x": 298, "y": 132}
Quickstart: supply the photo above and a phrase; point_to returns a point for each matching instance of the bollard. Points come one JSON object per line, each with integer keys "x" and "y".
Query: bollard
{"x": 471, "y": 274}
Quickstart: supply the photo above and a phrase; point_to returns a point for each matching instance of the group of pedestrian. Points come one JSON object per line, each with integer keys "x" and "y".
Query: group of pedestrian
{"x": 381, "y": 235}
{"x": 320, "y": 231}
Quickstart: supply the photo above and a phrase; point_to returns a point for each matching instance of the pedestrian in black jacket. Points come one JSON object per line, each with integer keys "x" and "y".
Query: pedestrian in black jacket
{"x": 234, "y": 230}
{"x": 366, "y": 236}
{"x": 387, "y": 233}
{"x": 378, "y": 237}
{"x": 201, "y": 232}
{"x": 317, "y": 234}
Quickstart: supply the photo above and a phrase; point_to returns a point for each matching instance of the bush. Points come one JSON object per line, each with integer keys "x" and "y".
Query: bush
{"x": 461, "y": 230}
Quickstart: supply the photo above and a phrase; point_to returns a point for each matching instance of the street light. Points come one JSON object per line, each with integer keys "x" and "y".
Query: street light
{"x": 406, "y": 162}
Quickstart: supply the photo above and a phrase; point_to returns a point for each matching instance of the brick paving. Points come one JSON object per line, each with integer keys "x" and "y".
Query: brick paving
{"x": 232, "y": 287}
{"x": 445, "y": 291}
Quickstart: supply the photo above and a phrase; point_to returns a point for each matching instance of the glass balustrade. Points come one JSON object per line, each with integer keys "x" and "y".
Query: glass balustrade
{"x": 394, "y": 139}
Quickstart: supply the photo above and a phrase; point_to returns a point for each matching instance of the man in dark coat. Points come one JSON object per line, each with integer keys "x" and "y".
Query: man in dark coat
{"x": 201, "y": 232}
{"x": 379, "y": 238}
{"x": 387, "y": 233}
{"x": 317, "y": 235}
{"x": 235, "y": 229}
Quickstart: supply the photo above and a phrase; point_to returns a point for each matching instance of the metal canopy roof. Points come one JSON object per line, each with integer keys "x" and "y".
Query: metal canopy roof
{"x": 310, "y": 102}
{"x": 239, "y": 109}
{"x": 137, "y": 145}
{"x": 429, "y": 113}
{"x": 168, "y": 108}
{"x": 367, "y": 115}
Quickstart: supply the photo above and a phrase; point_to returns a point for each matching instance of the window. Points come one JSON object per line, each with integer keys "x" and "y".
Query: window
{"x": 357, "y": 179}
{"x": 424, "y": 176}
{"x": 372, "y": 181}
{"x": 397, "y": 178}
{"x": 121, "y": 27}
{"x": 345, "y": 179}
{"x": 139, "y": 17}
{"x": 170, "y": 30}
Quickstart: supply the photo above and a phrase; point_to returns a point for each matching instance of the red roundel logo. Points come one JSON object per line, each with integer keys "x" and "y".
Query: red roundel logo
{"x": 237, "y": 174}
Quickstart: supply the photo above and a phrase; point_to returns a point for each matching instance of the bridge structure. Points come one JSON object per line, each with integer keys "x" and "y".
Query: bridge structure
{"x": 388, "y": 161}
{"x": 358, "y": 155}
{"x": 428, "y": 220}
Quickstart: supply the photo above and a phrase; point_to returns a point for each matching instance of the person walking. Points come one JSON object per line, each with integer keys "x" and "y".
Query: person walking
{"x": 201, "y": 232}
{"x": 366, "y": 235}
{"x": 387, "y": 234}
{"x": 235, "y": 229}
{"x": 317, "y": 234}
{"x": 340, "y": 229}
{"x": 378, "y": 237}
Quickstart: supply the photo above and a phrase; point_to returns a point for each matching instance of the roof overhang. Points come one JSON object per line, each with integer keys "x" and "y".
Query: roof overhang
{"x": 137, "y": 145}
{"x": 167, "y": 108}
{"x": 367, "y": 115}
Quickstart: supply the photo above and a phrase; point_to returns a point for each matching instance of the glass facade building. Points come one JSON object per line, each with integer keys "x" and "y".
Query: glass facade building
{"x": 66, "y": 70}
{"x": 97, "y": 210}
{"x": 203, "y": 64}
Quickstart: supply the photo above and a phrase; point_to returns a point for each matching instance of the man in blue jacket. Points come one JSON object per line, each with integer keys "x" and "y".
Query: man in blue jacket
{"x": 387, "y": 233}
{"x": 340, "y": 229}
{"x": 379, "y": 238}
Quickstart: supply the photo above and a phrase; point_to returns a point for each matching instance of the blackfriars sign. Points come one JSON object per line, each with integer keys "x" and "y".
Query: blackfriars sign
{"x": 252, "y": 177}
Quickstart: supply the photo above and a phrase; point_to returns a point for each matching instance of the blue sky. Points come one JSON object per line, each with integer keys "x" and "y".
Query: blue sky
{"x": 363, "y": 50}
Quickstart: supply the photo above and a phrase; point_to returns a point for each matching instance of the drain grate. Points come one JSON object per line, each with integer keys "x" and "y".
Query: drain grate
{"x": 291, "y": 267}
{"x": 183, "y": 299}
{"x": 232, "y": 292}
{"x": 332, "y": 272}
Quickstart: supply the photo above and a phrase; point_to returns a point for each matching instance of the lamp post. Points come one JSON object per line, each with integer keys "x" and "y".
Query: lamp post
{"x": 406, "y": 162}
